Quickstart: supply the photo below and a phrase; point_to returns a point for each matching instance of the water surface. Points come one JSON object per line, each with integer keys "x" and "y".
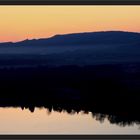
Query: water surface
{"x": 41, "y": 121}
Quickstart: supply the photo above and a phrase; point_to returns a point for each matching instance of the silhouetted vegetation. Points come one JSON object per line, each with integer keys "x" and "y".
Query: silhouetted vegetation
{"x": 108, "y": 91}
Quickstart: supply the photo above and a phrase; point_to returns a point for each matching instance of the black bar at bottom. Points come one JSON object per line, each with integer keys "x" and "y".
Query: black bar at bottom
{"x": 70, "y": 137}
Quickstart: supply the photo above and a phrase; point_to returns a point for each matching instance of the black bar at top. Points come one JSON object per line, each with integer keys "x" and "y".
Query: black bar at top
{"x": 69, "y": 2}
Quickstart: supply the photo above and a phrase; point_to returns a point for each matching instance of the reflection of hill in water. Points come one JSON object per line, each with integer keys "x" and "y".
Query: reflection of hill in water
{"x": 108, "y": 91}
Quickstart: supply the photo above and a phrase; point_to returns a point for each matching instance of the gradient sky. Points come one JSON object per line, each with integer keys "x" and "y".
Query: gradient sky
{"x": 22, "y": 22}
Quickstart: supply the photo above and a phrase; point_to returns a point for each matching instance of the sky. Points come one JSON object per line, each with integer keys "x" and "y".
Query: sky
{"x": 28, "y": 22}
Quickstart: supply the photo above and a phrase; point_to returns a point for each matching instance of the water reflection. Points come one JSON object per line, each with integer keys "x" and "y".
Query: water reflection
{"x": 120, "y": 118}
{"x": 17, "y": 121}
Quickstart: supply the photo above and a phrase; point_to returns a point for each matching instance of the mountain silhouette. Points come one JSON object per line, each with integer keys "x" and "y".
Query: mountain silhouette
{"x": 87, "y": 38}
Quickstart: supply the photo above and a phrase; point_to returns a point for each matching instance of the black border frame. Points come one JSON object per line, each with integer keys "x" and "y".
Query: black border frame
{"x": 69, "y": 2}
{"x": 83, "y": 137}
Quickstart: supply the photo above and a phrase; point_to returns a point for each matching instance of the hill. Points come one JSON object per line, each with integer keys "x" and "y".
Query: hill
{"x": 89, "y": 38}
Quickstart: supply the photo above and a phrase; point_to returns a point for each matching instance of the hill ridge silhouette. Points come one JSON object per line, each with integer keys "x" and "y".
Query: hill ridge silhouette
{"x": 99, "y": 37}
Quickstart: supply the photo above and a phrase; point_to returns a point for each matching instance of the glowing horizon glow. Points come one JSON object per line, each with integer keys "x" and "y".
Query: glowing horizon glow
{"x": 33, "y": 22}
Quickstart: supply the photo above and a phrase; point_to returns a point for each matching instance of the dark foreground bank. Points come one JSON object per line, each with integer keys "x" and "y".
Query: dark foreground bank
{"x": 108, "y": 91}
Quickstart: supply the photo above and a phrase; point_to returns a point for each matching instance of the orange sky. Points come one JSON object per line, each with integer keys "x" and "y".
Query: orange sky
{"x": 22, "y": 22}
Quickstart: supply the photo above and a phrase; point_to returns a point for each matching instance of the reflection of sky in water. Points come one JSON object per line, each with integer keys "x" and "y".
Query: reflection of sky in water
{"x": 16, "y": 121}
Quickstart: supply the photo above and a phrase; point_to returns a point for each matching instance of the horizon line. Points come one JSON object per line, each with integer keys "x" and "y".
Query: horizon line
{"x": 70, "y": 34}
